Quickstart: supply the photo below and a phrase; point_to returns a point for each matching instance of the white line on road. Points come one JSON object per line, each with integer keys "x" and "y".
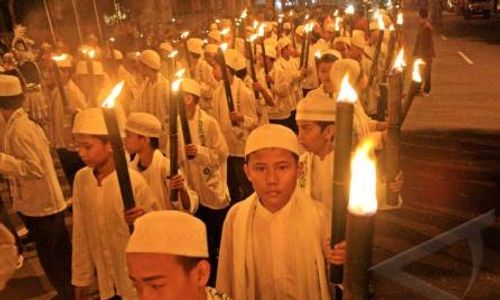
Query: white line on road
{"x": 444, "y": 38}
{"x": 468, "y": 60}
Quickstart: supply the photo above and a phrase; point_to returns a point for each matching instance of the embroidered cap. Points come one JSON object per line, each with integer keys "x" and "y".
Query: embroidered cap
{"x": 271, "y": 136}
{"x": 316, "y": 109}
{"x": 151, "y": 59}
{"x": 144, "y": 124}
{"x": 191, "y": 86}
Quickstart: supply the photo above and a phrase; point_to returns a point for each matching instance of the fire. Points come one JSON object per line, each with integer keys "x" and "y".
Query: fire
{"x": 225, "y": 31}
{"x": 112, "y": 39}
{"x": 317, "y": 54}
{"x": 347, "y": 93}
{"x": 223, "y": 46}
{"x": 61, "y": 57}
{"x": 336, "y": 13}
{"x": 244, "y": 14}
{"x": 89, "y": 52}
{"x": 381, "y": 25}
{"x": 180, "y": 73}
{"x": 109, "y": 102}
{"x": 349, "y": 10}
{"x": 416, "y": 70}
{"x": 173, "y": 54}
{"x": 399, "y": 19}
{"x": 337, "y": 23}
{"x": 252, "y": 38}
{"x": 306, "y": 17}
{"x": 255, "y": 25}
{"x": 261, "y": 29}
{"x": 309, "y": 27}
{"x": 176, "y": 84}
{"x": 185, "y": 35}
{"x": 391, "y": 28}
{"x": 363, "y": 189}
{"x": 399, "y": 62}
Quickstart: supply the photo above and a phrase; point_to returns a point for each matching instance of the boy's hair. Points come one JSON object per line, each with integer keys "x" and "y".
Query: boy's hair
{"x": 154, "y": 142}
{"x": 327, "y": 58}
{"x": 247, "y": 157}
{"x": 423, "y": 13}
{"x": 323, "y": 124}
{"x": 103, "y": 138}
{"x": 12, "y": 102}
{"x": 188, "y": 263}
{"x": 195, "y": 55}
{"x": 241, "y": 74}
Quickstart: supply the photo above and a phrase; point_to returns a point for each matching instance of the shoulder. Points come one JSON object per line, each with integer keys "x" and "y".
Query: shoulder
{"x": 236, "y": 210}
{"x": 83, "y": 175}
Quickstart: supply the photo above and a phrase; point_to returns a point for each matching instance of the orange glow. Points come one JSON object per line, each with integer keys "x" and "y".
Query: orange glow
{"x": 347, "y": 93}
{"x": 223, "y": 46}
{"x": 381, "y": 25}
{"x": 180, "y": 73}
{"x": 109, "y": 102}
{"x": 416, "y": 70}
{"x": 399, "y": 62}
{"x": 399, "y": 19}
{"x": 61, "y": 57}
{"x": 185, "y": 35}
{"x": 173, "y": 54}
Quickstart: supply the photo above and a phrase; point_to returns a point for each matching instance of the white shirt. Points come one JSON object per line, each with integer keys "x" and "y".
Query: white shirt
{"x": 322, "y": 181}
{"x": 203, "y": 73}
{"x": 155, "y": 99}
{"x": 100, "y": 233}
{"x": 28, "y": 166}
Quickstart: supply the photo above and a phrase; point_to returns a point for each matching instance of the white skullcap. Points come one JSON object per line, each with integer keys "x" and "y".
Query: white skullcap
{"x": 8, "y": 256}
{"x": 330, "y": 27}
{"x": 234, "y": 59}
{"x": 191, "y": 86}
{"x": 151, "y": 59}
{"x": 10, "y": 86}
{"x": 316, "y": 109}
{"x": 287, "y": 25}
{"x": 358, "y": 41}
{"x": 342, "y": 67}
{"x": 195, "y": 45}
{"x": 215, "y": 35}
{"x": 211, "y": 48}
{"x": 90, "y": 121}
{"x": 332, "y": 52}
{"x": 284, "y": 42}
{"x": 118, "y": 55}
{"x": 166, "y": 47}
{"x": 342, "y": 39}
{"x": 169, "y": 232}
{"x": 64, "y": 63}
{"x": 144, "y": 124}
{"x": 300, "y": 30}
{"x": 270, "y": 51}
{"x": 271, "y": 136}
{"x": 81, "y": 68}
{"x": 213, "y": 26}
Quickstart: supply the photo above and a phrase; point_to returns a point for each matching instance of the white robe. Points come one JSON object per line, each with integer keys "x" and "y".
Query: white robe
{"x": 203, "y": 73}
{"x": 300, "y": 233}
{"x": 100, "y": 233}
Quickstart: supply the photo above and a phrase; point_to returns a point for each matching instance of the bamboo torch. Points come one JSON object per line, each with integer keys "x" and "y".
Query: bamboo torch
{"x": 77, "y": 21}
{"x": 89, "y": 59}
{"x": 57, "y": 73}
{"x": 308, "y": 30}
{"x": 49, "y": 21}
{"x": 248, "y": 47}
{"x": 399, "y": 27}
{"x": 341, "y": 169}
{"x": 360, "y": 220}
{"x": 263, "y": 50}
{"x": 225, "y": 78}
{"x": 184, "y": 37}
{"x": 317, "y": 57}
{"x": 292, "y": 28}
{"x": 414, "y": 87}
{"x": 382, "y": 102}
{"x": 186, "y": 132}
{"x": 303, "y": 45}
{"x": 394, "y": 119}
{"x": 109, "y": 111}
{"x": 374, "y": 69}
{"x": 173, "y": 133}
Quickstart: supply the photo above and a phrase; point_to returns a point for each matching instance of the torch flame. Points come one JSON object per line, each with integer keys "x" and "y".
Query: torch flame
{"x": 337, "y": 23}
{"x": 91, "y": 53}
{"x": 363, "y": 189}
{"x": 252, "y": 38}
{"x": 381, "y": 25}
{"x": 217, "y": 21}
{"x": 184, "y": 35}
{"x": 225, "y": 31}
{"x": 317, "y": 54}
{"x": 112, "y": 39}
{"x": 349, "y": 10}
{"x": 399, "y": 62}
{"x": 177, "y": 84}
{"x": 391, "y": 28}
{"x": 262, "y": 29}
{"x": 309, "y": 27}
{"x": 255, "y": 24}
{"x": 336, "y": 13}
{"x": 180, "y": 73}
{"x": 306, "y": 17}
{"x": 115, "y": 92}
{"x": 291, "y": 13}
{"x": 244, "y": 14}
{"x": 173, "y": 54}
{"x": 416, "y": 70}
{"x": 61, "y": 57}
{"x": 223, "y": 46}
{"x": 399, "y": 19}
{"x": 347, "y": 93}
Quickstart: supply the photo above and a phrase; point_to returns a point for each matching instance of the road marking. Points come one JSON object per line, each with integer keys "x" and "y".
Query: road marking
{"x": 444, "y": 38}
{"x": 468, "y": 60}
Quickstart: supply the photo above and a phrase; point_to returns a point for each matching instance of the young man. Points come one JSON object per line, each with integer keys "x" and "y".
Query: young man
{"x": 325, "y": 64}
{"x": 37, "y": 196}
{"x": 100, "y": 225}
{"x": 206, "y": 173}
{"x": 272, "y": 241}
{"x": 424, "y": 47}
{"x": 142, "y": 132}
{"x": 167, "y": 257}
{"x": 236, "y": 125}
{"x": 62, "y": 115}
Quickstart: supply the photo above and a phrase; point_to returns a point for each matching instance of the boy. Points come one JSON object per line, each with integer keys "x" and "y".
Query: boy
{"x": 100, "y": 227}
{"x": 142, "y": 132}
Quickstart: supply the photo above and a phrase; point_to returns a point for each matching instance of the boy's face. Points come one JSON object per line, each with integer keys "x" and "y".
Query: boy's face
{"x": 273, "y": 173}
{"x": 162, "y": 277}
{"x": 93, "y": 152}
{"x": 134, "y": 142}
{"x": 312, "y": 138}
{"x": 324, "y": 75}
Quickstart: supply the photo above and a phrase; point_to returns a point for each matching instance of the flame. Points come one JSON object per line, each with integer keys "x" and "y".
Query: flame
{"x": 363, "y": 189}
{"x": 416, "y": 70}
{"x": 252, "y": 38}
{"x": 306, "y": 17}
{"x": 223, "y": 46}
{"x": 399, "y": 62}
{"x": 61, "y": 57}
{"x": 290, "y": 13}
{"x": 217, "y": 21}
{"x": 347, "y": 93}
{"x": 255, "y": 24}
{"x": 180, "y": 73}
{"x": 173, "y": 20}
{"x": 337, "y": 23}
{"x": 391, "y": 28}
{"x": 244, "y": 14}
{"x": 109, "y": 102}
{"x": 138, "y": 53}
{"x": 177, "y": 84}
{"x": 280, "y": 20}
{"x": 173, "y": 54}
{"x": 349, "y": 10}
{"x": 336, "y": 13}
{"x": 205, "y": 41}
{"x": 225, "y": 31}
{"x": 112, "y": 39}
{"x": 184, "y": 35}
{"x": 89, "y": 52}
{"x": 309, "y": 27}
{"x": 381, "y": 25}
{"x": 399, "y": 19}
{"x": 317, "y": 54}
{"x": 262, "y": 29}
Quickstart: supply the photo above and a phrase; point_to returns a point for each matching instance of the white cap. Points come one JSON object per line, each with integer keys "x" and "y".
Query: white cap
{"x": 8, "y": 257}
{"x": 357, "y": 32}
{"x": 270, "y": 51}
{"x": 90, "y": 121}
{"x": 215, "y": 34}
{"x": 151, "y": 59}
{"x": 316, "y": 109}
{"x": 211, "y": 48}
{"x": 284, "y": 42}
{"x": 169, "y": 232}
{"x": 144, "y": 124}
{"x": 234, "y": 59}
{"x": 358, "y": 41}
{"x": 195, "y": 45}
{"x": 166, "y": 46}
{"x": 64, "y": 63}
{"x": 300, "y": 30}
{"x": 10, "y": 86}
{"x": 81, "y": 68}
{"x": 342, "y": 39}
{"x": 342, "y": 67}
{"x": 191, "y": 86}
{"x": 213, "y": 26}
{"x": 271, "y": 136}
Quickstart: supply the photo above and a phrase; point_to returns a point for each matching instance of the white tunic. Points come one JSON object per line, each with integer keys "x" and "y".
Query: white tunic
{"x": 155, "y": 99}
{"x": 203, "y": 73}
{"x": 28, "y": 166}
{"x": 100, "y": 233}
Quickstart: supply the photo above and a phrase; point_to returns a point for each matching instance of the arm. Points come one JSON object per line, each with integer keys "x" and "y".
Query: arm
{"x": 26, "y": 163}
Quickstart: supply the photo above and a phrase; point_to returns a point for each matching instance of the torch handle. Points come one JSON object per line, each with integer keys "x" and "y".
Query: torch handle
{"x": 264, "y": 60}
{"x": 186, "y": 132}
{"x": 374, "y": 68}
{"x": 225, "y": 79}
{"x": 302, "y": 52}
{"x": 382, "y": 101}
{"x": 248, "y": 49}
{"x": 173, "y": 139}
{"x": 390, "y": 54}
{"x": 308, "y": 48}
{"x": 60, "y": 86}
